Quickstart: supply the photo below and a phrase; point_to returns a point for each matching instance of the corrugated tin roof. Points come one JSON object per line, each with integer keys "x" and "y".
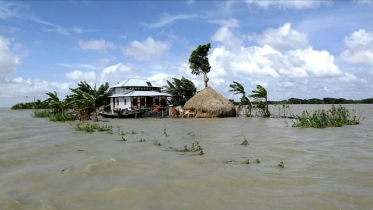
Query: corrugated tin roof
{"x": 135, "y": 82}
{"x": 141, "y": 93}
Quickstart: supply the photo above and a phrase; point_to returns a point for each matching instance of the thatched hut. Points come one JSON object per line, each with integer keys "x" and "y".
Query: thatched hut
{"x": 209, "y": 103}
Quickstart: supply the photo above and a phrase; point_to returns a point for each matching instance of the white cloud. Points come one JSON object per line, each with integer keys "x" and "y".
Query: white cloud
{"x": 366, "y": 2}
{"x": 115, "y": 73}
{"x": 190, "y": 2}
{"x": 77, "y": 30}
{"x": 225, "y": 36}
{"x": 282, "y": 38}
{"x": 167, "y": 19}
{"x": 359, "y": 48}
{"x": 78, "y": 66}
{"x": 291, "y": 4}
{"x": 228, "y": 23}
{"x": 36, "y": 88}
{"x": 103, "y": 61}
{"x": 8, "y": 61}
{"x": 9, "y": 29}
{"x": 98, "y": 45}
{"x": 148, "y": 49}
{"x": 9, "y": 9}
{"x": 56, "y": 29}
{"x": 160, "y": 79}
{"x": 81, "y": 76}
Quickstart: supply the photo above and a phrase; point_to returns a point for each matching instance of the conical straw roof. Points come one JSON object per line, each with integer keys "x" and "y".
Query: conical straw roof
{"x": 209, "y": 103}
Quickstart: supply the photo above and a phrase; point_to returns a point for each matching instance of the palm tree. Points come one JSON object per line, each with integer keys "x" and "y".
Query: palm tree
{"x": 237, "y": 88}
{"x": 55, "y": 104}
{"x": 261, "y": 93}
{"x": 85, "y": 104}
{"x": 181, "y": 90}
{"x": 86, "y": 99}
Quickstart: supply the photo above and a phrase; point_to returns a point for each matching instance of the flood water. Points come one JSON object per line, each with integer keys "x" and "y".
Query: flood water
{"x": 49, "y": 165}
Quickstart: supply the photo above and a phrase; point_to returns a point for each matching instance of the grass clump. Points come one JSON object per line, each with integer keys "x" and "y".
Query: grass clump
{"x": 60, "y": 117}
{"x": 90, "y": 128}
{"x": 41, "y": 113}
{"x": 333, "y": 117}
{"x": 194, "y": 148}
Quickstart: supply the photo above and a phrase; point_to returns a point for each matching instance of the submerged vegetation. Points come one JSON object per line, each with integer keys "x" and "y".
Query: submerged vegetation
{"x": 89, "y": 128}
{"x": 333, "y": 117}
{"x": 54, "y": 117}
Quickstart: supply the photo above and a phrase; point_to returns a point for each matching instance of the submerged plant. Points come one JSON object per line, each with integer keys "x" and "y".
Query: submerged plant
{"x": 123, "y": 139}
{"x": 165, "y": 132}
{"x": 333, "y": 117}
{"x": 281, "y": 164}
{"x": 246, "y": 162}
{"x": 257, "y": 161}
{"x": 194, "y": 148}
{"x": 245, "y": 142}
{"x": 133, "y": 132}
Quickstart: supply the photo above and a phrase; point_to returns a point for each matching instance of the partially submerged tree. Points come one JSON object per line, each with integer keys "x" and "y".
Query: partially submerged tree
{"x": 57, "y": 106}
{"x": 85, "y": 99}
{"x": 181, "y": 90}
{"x": 199, "y": 62}
{"x": 237, "y": 88}
{"x": 261, "y": 94}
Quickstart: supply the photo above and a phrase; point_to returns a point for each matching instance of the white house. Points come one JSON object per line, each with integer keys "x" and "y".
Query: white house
{"x": 136, "y": 94}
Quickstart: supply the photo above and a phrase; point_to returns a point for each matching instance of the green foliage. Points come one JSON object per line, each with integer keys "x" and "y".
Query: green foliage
{"x": 165, "y": 132}
{"x": 257, "y": 161}
{"x": 57, "y": 106}
{"x": 281, "y": 164}
{"x": 194, "y": 148}
{"x": 199, "y": 62}
{"x": 31, "y": 105}
{"x": 85, "y": 99}
{"x": 42, "y": 113}
{"x": 261, "y": 94}
{"x": 90, "y": 128}
{"x": 54, "y": 117}
{"x": 334, "y": 117}
{"x": 181, "y": 90}
{"x": 237, "y": 88}
{"x": 61, "y": 117}
{"x": 246, "y": 161}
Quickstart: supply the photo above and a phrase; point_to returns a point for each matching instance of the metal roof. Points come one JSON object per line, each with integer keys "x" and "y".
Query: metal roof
{"x": 141, "y": 93}
{"x": 135, "y": 82}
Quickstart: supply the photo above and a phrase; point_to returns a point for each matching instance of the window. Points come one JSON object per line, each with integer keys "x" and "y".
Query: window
{"x": 125, "y": 102}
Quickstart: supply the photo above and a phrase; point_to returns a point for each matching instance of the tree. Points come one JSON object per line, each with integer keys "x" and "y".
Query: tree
{"x": 85, "y": 99}
{"x": 261, "y": 93}
{"x": 55, "y": 104}
{"x": 237, "y": 88}
{"x": 199, "y": 62}
{"x": 181, "y": 90}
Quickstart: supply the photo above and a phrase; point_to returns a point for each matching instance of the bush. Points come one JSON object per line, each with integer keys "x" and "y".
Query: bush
{"x": 334, "y": 117}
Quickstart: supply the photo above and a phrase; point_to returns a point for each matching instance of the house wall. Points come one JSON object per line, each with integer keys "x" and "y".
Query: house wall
{"x": 120, "y": 102}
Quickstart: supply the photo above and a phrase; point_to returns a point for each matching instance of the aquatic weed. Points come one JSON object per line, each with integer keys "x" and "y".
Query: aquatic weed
{"x": 333, "y": 117}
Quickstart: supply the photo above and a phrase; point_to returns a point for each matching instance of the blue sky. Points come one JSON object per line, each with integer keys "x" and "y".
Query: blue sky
{"x": 302, "y": 49}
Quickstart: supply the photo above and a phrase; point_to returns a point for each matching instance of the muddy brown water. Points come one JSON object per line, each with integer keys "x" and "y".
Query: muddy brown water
{"x": 48, "y": 165}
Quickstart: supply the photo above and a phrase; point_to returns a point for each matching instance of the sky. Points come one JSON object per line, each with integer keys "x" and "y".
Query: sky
{"x": 301, "y": 49}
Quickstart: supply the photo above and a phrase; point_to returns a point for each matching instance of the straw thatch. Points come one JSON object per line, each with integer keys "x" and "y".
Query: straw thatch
{"x": 209, "y": 103}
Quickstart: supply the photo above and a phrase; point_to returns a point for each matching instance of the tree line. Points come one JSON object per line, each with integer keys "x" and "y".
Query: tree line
{"x": 83, "y": 101}
{"x": 323, "y": 101}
